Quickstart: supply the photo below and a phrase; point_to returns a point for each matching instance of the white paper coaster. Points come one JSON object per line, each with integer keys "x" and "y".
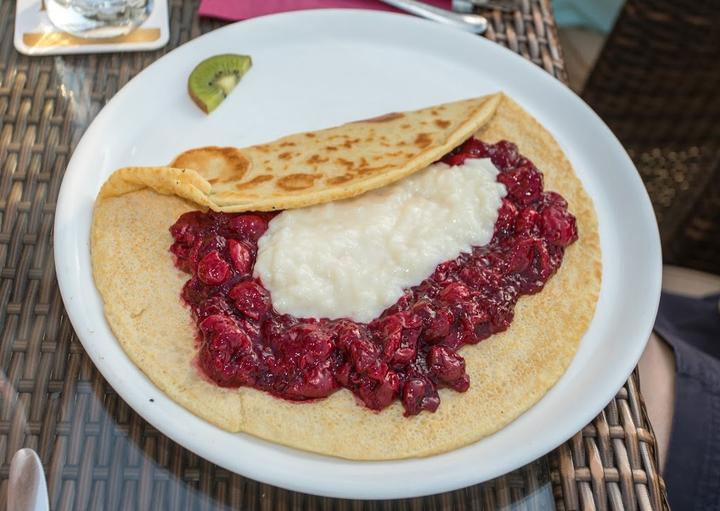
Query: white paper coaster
{"x": 36, "y": 35}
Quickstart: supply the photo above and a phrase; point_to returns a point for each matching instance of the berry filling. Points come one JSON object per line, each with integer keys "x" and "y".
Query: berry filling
{"x": 407, "y": 353}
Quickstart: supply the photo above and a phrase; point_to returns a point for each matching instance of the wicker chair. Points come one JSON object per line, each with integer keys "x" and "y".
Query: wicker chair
{"x": 657, "y": 85}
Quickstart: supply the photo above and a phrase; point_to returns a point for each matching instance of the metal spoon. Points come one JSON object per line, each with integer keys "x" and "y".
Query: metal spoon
{"x": 27, "y": 489}
{"x": 469, "y": 22}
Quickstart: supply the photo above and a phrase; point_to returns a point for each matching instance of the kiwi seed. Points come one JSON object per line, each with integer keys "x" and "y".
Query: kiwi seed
{"x": 214, "y": 78}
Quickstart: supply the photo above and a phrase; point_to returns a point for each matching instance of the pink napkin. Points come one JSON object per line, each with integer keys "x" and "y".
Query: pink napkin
{"x": 243, "y": 9}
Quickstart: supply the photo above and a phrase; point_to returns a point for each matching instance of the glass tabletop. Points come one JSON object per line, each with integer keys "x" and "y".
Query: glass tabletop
{"x": 97, "y": 452}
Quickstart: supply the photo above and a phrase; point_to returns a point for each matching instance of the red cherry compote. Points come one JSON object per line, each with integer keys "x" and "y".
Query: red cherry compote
{"x": 411, "y": 350}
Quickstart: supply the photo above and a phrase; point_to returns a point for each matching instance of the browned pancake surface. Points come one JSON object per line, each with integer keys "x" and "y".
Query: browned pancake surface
{"x": 312, "y": 167}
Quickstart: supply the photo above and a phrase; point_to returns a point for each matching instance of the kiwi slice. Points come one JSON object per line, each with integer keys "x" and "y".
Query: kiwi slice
{"x": 214, "y": 78}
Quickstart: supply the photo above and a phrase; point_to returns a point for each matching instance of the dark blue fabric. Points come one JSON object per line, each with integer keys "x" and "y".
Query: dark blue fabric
{"x": 692, "y": 328}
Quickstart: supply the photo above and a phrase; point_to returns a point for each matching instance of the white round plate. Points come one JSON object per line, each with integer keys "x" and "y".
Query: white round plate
{"x": 315, "y": 69}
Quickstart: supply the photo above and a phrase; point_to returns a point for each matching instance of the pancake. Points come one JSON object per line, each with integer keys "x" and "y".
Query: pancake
{"x": 509, "y": 372}
{"x": 312, "y": 167}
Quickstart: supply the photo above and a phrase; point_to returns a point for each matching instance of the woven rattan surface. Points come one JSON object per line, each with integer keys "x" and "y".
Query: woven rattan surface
{"x": 656, "y": 84}
{"x": 98, "y": 453}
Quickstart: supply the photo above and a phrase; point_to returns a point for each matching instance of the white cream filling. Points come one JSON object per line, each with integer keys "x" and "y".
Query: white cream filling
{"x": 353, "y": 258}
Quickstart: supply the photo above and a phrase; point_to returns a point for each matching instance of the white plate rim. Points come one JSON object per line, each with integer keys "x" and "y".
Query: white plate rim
{"x": 366, "y": 480}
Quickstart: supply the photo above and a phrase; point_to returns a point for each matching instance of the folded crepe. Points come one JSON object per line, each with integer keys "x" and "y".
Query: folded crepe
{"x": 313, "y": 167}
{"x": 509, "y": 371}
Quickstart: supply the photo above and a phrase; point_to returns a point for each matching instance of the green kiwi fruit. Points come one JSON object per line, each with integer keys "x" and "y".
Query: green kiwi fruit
{"x": 214, "y": 78}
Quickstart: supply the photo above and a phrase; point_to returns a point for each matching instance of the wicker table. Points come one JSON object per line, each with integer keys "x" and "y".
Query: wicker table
{"x": 98, "y": 453}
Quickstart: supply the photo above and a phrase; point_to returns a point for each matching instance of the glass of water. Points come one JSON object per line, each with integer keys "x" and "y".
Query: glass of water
{"x": 98, "y": 18}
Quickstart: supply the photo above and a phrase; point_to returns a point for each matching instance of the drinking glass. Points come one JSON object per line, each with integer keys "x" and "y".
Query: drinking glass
{"x": 98, "y": 18}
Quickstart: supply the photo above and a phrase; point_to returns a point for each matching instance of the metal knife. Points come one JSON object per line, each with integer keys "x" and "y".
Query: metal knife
{"x": 27, "y": 489}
